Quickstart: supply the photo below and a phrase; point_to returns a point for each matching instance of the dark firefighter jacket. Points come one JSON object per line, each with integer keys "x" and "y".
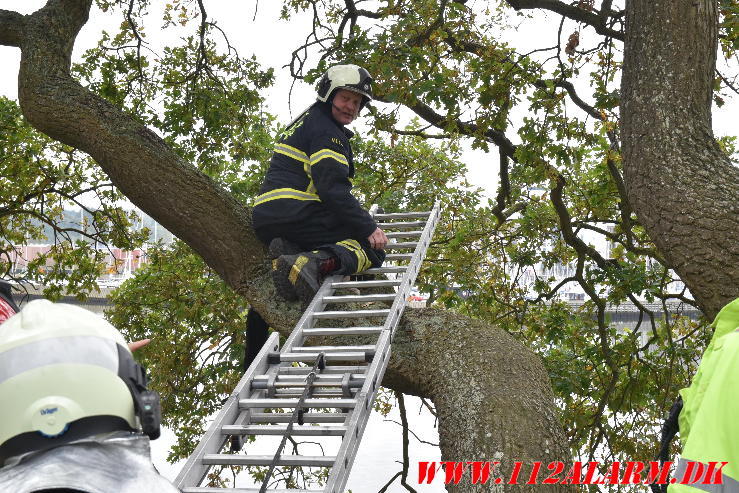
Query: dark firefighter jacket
{"x": 310, "y": 173}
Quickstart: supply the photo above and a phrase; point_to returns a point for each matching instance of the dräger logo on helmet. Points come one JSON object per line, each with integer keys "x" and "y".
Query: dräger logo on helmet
{"x": 49, "y": 411}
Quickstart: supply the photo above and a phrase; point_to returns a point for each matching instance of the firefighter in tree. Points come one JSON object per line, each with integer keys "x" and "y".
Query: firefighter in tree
{"x": 306, "y": 212}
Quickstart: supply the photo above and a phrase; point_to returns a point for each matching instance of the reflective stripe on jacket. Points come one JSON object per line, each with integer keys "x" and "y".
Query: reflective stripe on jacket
{"x": 709, "y": 427}
{"x": 311, "y": 168}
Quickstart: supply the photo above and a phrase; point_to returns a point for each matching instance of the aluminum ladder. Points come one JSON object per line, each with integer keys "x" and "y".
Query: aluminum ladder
{"x": 337, "y": 383}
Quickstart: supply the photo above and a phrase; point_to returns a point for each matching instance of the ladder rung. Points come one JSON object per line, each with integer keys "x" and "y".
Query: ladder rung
{"x": 322, "y": 390}
{"x": 351, "y": 314}
{"x": 402, "y": 225}
{"x": 401, "y": 245}
{"x": 303, "y": 431}
{"x": 404, "y": 234}
{"x": 358, "y": 298}
{"x": 327, "y": 387}
{"x": 364, "y": 284}
{"x": 260, "y": 381}
{"x": 311, "y": 357}
{"x": 347, "y": 331}
{"x": 208, "y": 489}
{"x": 329, "y": 370}
{"x": 393, "y": 269}
{"x": 402, "y": 215}
{"x": 398, "y": 256}
{"x": 265, "y": 460}
{"x": 332, "y": 349}
{"x": 307, "y": 417}
{"x": 291, "y": 403}
{"x": 324, "y": 393}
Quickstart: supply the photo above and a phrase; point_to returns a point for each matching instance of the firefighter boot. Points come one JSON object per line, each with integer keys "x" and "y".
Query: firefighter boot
{"x": 278, "y": 247}
{"x": 281, "y": 246}
{"x": 304, "y": 272}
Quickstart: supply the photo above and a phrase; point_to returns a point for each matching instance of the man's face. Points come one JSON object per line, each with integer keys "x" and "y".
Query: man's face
{"x": 345, "y": 107}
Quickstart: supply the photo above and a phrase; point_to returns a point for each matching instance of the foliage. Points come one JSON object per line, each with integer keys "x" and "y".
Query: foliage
{"x": 552, "y": 113}
{"x": 39, "y": 178}
{"x": 197, "y": 328}
{"x": 198, "y": 93}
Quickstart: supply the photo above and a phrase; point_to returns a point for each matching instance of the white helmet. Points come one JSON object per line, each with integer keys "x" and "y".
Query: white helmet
{"x": 350, "y": 77}
{"x": 66, "y": 374}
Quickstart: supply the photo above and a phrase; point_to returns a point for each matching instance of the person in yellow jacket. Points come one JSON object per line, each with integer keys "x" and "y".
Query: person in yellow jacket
{"x": 709, "y": 419}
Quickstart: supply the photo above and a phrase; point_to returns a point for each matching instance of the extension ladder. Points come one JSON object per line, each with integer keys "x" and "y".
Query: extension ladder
{"x": 336, "y": 383}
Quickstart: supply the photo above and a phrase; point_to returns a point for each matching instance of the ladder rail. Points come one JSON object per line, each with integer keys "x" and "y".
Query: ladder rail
{"x": 358, "y": 421}
{"x": 413, "y": 268}
{"x": 194, "y": 470}
{"x": 356, "y": 385}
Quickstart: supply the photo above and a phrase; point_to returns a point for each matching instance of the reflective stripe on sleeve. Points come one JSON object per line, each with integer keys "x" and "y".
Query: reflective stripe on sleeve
{"x": 327, "y": 153}
{"x": 292, "y": 152}
{"x": 705, "y": 473}
{"x": 285, "y": 193}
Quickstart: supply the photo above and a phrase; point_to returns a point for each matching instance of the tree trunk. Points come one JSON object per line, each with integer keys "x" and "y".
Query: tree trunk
{"x": 682, "y": 186}
{"x": 487, "y": 390}
{"x": 493, "y": 395}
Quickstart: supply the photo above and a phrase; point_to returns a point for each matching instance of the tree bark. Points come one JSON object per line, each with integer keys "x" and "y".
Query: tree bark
{"x": 493, "y": 395}
{"x": 681, "y": 185}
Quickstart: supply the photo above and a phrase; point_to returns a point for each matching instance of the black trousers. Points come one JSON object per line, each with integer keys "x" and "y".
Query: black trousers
{"x": 318, "y": 232}
{"x": 323, "y": 231}
{"x": 257, "y": 334}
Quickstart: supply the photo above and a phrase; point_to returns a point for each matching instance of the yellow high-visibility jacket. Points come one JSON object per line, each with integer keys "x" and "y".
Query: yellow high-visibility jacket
{"x": 709, "y": 420}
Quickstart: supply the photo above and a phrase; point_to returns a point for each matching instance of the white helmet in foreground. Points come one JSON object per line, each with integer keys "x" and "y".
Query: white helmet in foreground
{"x": 66, "y": 374}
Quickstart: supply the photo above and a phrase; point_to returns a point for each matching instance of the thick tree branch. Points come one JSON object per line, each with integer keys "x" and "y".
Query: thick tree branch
{"x": 565, "y": 223}
{"x": 12, "y": 25}
{"x": 137, "y": 35}
{"x": 504, "y": 189}
{"x": 682, "y": 186}
{"x": 597, "y": 21}
{"x": 730, "y": 84}
{"x": 495, "y": 136}
{"x": 438, "y": 22}
{"x": 353, "y": 12}
{"x": 418, "y": 133}
{"x": 570, "y": 88}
